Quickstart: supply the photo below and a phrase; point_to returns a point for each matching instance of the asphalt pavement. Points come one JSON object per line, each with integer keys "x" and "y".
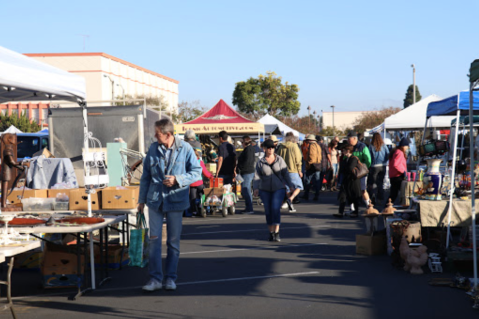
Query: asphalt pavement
{"x": 228, "y": 269}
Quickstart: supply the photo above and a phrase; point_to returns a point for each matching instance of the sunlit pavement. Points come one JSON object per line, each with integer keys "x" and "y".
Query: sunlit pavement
{"x": 228, "y": 269}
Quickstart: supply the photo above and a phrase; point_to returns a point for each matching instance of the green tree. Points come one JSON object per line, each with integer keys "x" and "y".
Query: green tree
{"x": 266, "y": 95}
{"x": 21, "y": 122}
{"x": 188, "y": 111}
{"x": 156, "y": 103}
{"x": 408, "y": 100}
{"x": 372, "y": 119}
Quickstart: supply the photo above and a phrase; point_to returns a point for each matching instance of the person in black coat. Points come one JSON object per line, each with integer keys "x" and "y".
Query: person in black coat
{"x": 350, "y": 190}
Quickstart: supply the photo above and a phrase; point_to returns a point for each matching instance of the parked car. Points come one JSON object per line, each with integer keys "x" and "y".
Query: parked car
{"x": 30, "y": 143}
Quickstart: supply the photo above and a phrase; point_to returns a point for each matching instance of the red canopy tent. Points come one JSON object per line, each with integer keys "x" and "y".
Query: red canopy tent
{"x": 221, "y": 117}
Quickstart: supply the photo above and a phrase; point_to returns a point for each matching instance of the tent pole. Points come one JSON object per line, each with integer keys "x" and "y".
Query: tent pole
{"x": 454, "y": 154}
{"x": 462, "y": 142}
{"x": 473, "y": 197}
{"x": 419, "y": 159}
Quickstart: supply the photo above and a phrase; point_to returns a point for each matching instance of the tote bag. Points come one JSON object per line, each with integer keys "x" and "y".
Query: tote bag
{"x": 139, "y": 243}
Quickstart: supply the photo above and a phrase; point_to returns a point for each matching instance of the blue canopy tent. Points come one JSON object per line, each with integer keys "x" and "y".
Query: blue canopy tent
{"x": 455, "y": 105}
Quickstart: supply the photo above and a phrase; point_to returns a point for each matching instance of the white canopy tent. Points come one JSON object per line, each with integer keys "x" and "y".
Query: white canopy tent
{"x": 12, "y": 129}
{"x": 268, "y": 119}
{"x": 25, "y": 79}
{"x": 414, "y": 117}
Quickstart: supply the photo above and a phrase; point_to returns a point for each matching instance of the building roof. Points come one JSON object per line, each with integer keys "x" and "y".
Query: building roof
{"x": 102, "y": 55}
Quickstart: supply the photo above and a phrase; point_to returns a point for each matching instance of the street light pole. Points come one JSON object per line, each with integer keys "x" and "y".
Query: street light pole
{"x": 314, "y": 115}
{"x": 332, "y": 106}
{"x": 413, "y": 83}
{"x": 112, "y": 86}
{"x": 309, "y": 118}
{"x": 319, "y": 123}
{"x": 123, "y": 90}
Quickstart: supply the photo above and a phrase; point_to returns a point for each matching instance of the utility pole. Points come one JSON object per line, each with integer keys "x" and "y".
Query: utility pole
{"x": 309, "y": 119}
{"x": 84, "y": 39}
{"x": 413, "y": 83}
{"x": 332, "y": 106}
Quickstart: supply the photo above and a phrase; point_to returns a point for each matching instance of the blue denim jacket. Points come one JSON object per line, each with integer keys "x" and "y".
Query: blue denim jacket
{"x": 380, "y": 158}
{"x": 183, "y": 165}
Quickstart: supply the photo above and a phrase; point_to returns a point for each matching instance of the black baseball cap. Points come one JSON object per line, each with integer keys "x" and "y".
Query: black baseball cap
{"x": 352, "y": 134}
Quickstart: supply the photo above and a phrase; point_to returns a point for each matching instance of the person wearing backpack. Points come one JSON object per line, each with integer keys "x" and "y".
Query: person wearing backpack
{"x": 350, "y": 191}
{"x": 313, "y": 167}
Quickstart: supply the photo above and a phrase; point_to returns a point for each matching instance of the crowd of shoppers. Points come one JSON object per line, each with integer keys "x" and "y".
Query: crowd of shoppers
{"x": 275, "y": 172}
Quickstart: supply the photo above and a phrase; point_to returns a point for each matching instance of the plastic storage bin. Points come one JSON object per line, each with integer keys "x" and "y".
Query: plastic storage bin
{"x": 61, "y": 205}
{"x": 37, "y": 204}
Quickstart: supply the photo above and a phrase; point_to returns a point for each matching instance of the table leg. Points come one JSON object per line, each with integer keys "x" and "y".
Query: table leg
{"x": 106, "y": 257}
{"x": 9, "y": 287}
{"x": 123, "y": 243}
{"x": 101, "y": 255}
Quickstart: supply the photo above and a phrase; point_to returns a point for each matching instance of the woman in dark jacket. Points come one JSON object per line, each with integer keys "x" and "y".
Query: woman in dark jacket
{"x": 350, "y": 190}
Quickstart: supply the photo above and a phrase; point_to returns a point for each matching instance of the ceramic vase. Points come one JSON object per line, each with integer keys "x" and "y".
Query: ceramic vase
{"x": 433, "y": 179}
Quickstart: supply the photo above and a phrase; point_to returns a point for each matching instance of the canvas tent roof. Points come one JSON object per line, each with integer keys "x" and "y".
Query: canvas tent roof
{"x": 12, "y": 129}
{"x": 23, "y": 78}
{"x": 220, "y": 117}
{"x": 414, "y": 117}
{"x": 451, "y": 105}
{"x": 271, "y": 129}
{"x": 268, "y": 119}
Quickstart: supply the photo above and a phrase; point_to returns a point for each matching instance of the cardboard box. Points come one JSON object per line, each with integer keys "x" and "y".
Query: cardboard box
{"x": 371, "y": 245}
{"x": 218, "y": 191}
{"x": 79, "y": 199}
{"x": 16, "y": 195}
{"x": 114, "y": 257}
{"x": 61, "y": 281}
{"x": 61, "y": 262}
{"x": 216, "y": 182}
{"x": 211, "y": 167}
{"x": 44, "y": 152}
{"x": 112, "y": 198}
{"x": 28, "y": 260}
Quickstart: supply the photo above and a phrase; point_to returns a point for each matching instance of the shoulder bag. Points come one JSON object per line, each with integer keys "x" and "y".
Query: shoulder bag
{"x": 360, "y": 170}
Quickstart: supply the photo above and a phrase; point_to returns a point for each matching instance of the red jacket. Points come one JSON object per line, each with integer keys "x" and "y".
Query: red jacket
{"x": 397, "y": 164}
{"x": 205, "y": 172}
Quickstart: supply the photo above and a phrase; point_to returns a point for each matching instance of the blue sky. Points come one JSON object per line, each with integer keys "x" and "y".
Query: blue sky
{"x": 356, "y": 55}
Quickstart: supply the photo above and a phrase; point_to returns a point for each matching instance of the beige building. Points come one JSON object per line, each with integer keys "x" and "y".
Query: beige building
{"x": 342, "y": 120}
{"x": 108, "y": 77}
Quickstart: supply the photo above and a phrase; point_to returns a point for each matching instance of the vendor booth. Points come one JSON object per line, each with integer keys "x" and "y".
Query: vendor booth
{"x": 268, "y": 119}
{"x": 23, "y": 78}
{"x": 221, "y": 117}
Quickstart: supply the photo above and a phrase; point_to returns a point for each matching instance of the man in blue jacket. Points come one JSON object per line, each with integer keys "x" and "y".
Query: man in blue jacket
{"x": 168, "y": 170}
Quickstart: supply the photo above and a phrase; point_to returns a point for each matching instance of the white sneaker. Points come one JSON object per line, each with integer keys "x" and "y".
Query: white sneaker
{"x": 152, "y": 285}
{"x": 292, "y": 210}
{"x": 284, "y": 206}
{"x": 170, "y": 284}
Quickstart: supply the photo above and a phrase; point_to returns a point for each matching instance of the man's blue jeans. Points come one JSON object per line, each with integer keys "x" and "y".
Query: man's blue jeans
{"x": 315, "y": 178}
{"x": 272, "y": 202}
{"x": 173, "y": 227}
{"x": 246, "y": 191}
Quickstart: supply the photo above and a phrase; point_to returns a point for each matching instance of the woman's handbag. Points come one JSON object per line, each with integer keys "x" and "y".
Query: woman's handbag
{"x": 139, "y": 243}
{"x": 360, "y": 170}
